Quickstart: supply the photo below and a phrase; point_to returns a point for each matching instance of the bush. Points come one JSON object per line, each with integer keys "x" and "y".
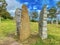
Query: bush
{"x": 33, "y": 21}
{"x": 59, "y": 22}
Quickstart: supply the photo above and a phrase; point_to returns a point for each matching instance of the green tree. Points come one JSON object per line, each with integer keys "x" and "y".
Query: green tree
{"x": 6, "y": 15}
{"x": 3, "y": 11}
{"x": 2, "y": 7}
{"x": 58, "y": 10}
{"x": 52, "y": 13}
{"x": 34, "y": 15}
{"x": 58, "y": 4}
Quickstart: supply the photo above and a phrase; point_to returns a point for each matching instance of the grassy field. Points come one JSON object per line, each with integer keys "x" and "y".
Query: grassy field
{"x": 8, "y": 27}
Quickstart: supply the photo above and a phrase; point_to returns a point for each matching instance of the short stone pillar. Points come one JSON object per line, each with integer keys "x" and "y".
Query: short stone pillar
{"x": 43, "y": 23}
{"x": 23, "y": 24}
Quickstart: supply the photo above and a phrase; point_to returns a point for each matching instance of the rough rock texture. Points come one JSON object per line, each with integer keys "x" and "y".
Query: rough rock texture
{"x": 25, "y": 26}
{"x": 43, "y": 23}
{"x": 22, "y": 21}
{"x": 18, "y": 21}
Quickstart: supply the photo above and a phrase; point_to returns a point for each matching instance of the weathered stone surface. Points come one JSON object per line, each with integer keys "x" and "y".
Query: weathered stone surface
{"x": 23, "y": 26}
{"x": 18, "y": 21}
{"x": 43, "y": 23}
{"x": 9, "y": 41}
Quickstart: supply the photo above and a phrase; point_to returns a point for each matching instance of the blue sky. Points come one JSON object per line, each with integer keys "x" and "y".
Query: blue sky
{"x": 37, "y": 4}
{"x": 31, "y": 4}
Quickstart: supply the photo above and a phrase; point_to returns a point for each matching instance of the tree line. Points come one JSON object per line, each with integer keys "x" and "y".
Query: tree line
{"x": 34, "y": 14}
{"x": 52, "y": 14}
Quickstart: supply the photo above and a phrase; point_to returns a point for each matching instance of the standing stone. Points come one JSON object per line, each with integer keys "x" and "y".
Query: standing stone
{"x": 25, "y": 24}
{"x": 18, "y": 21}
{"x": 23, "y": 27}
{"x": 43, "y": 23}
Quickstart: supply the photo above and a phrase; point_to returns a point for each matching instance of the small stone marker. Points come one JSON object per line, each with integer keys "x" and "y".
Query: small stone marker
{"x": 43, "y": 23}
{"x": 23, "y": 26}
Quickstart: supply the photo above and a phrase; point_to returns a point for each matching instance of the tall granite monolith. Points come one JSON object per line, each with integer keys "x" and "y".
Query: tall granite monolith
{"x": 23, "y": 23}
{"x": 43, "y": 23}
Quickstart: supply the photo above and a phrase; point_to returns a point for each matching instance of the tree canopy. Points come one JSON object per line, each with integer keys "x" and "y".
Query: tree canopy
{"x": 58, "y": 4}
{"x": 3, "y": 11}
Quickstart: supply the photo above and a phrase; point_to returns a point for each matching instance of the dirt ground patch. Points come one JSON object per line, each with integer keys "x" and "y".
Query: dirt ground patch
{"x": 11, "y": 41}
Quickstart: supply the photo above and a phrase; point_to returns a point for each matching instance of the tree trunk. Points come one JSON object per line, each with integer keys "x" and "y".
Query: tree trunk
{"x": 56, "y": 21}
{"x": 52, "y": 21}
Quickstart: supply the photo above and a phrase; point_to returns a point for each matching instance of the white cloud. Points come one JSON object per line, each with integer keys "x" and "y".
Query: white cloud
{"x": 38, "y": 11}
{"x": 34, "y": 7}
{"x": 12, "y": 5}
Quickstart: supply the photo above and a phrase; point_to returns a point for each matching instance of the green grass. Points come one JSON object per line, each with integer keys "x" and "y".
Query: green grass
{"x": 9, "y": 27}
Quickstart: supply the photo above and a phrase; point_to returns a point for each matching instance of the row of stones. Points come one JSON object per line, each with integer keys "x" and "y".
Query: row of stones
{"x": 23, "y": 26}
